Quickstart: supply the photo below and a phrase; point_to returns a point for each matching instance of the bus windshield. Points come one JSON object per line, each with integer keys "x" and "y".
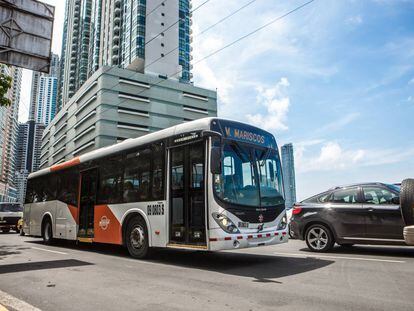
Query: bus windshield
{"x": 251, "y": 176}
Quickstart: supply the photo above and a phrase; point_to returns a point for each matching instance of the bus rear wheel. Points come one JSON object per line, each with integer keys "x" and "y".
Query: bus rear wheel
{"x": 137, "y": 238}
{"x": 47, "y": 232}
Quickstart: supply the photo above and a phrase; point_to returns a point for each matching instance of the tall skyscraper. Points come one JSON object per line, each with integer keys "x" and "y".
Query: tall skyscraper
{"x": 288, "y": 167}
{"x": 145, "y": 36}
{"x": 28, "y": 153}
{"x": 47, "y": 99}
{"x": 44, "y": 92}
{"x": 8, "y": 135}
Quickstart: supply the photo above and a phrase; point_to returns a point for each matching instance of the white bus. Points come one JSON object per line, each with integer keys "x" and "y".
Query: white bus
{"x": 209, "y": 184}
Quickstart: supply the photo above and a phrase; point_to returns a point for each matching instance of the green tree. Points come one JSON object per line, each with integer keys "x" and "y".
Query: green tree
{"x": 5, "y": 85}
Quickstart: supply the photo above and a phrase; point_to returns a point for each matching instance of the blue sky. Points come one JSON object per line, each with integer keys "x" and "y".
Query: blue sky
{"x": 335, "y": 78}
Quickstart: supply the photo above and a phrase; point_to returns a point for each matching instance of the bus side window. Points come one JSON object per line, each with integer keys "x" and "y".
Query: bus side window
{"x": 29, "y": 192}
{"x": 137, "y": 176}
{"x": 67, "y": 189}
{"x": 38, "y": 190}
{"x": 110, "y": 180}
{"x": 158, "y": 157}
{"x": 49, "y": 187}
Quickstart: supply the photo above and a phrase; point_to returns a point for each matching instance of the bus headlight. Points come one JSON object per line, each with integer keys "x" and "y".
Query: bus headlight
{"x": 225, "y": 223}
{"x": 283, "y": 223}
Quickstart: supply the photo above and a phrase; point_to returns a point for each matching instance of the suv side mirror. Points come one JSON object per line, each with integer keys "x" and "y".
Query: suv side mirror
{"x": 395, "y": 200}
{"x": 215, "y": 161}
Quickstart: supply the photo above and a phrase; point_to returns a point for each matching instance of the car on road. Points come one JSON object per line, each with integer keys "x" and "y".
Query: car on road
{"x": 366, "y": 213}
{"x": 10, "y": 214}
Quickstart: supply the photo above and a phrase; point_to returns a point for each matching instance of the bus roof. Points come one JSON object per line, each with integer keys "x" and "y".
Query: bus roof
{"x": 196, "y": 125}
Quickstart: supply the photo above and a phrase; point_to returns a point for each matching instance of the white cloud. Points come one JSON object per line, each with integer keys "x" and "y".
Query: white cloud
{"x": 277, "y": 106}
{"x": 331, "y": 156}
{"x": 354, "y": 20}
{"x": 339, "y": 123}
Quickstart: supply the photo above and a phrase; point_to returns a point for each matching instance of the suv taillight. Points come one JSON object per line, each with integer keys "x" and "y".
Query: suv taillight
{"x": 296, "y": 210}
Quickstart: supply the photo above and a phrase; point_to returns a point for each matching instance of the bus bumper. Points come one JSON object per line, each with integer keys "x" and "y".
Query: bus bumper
{"x": 219, "y": 241}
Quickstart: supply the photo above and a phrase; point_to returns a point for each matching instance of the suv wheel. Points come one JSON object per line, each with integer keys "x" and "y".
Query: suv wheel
{"x": 319, "y": 238}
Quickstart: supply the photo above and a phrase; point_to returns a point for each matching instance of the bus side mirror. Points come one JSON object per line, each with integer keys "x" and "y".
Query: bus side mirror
{"x": 215, "y": 161}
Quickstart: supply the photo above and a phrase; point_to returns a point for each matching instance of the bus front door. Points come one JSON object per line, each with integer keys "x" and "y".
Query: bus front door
{"x": 187, "y": 203}
{"x": 89, "y": 181}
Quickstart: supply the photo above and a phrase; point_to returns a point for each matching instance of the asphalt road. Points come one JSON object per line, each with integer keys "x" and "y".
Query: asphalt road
{"x": 282, "y": 277}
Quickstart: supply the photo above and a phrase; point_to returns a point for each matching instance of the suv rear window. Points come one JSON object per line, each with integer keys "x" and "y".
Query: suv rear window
{"x": 11, "y": 207}
{"x": 320, "y": 198}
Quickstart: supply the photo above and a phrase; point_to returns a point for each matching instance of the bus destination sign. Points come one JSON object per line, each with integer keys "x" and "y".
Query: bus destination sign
{"x": 248, "y": 136}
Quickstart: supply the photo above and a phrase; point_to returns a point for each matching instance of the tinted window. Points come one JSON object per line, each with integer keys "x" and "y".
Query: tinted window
{"x": 30, "y": 193}
{"x": 349, "y": 195}
{"x": 137, "y": 176}
{"x": 49, "y": 187}
{"x": 110, "y": 180}
{"x": 320, "y": 198}
{"x": 158, "y": 157}
{"x": 11, "y": 207}
{"x": 377, "y": 195}
{"x": 68, "y": 184}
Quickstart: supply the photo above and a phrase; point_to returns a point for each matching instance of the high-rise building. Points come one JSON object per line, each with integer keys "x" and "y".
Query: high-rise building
{"x": 145, "y": 36}
{"x": 288, "y": 167}
{"x": 46, "y": 99}
{"x": 44, "y": 92}
{"x": 100, "y": 114}
{"x": 8, "y": 135}
{"x": 28, "y": 153}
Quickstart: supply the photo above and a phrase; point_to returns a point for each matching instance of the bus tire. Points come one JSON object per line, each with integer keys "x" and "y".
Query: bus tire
{"x": 136, "y": 237}
{"x": 47, "y": 232}
{"x": 407, "y": 201}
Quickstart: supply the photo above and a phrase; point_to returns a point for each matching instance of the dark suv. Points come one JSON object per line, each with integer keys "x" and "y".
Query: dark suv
{"x": 366, "y": 213}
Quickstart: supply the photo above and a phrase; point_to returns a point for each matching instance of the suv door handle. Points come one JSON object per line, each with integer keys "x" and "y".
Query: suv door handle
{"x": 371, "y": 210}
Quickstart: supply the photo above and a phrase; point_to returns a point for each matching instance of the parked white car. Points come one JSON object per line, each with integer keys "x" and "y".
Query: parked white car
{"x": 10, "y": 214}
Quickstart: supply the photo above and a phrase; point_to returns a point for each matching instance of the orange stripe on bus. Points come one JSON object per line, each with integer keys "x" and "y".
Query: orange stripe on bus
{"x": 107, "y": 228}
{"x": 67, "y": 164}
{"x": 74, "y": 211}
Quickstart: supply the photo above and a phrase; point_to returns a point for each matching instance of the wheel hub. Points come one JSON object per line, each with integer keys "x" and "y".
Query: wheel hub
{"x": 137, "y": 237}
{"x": 318, "y": 238}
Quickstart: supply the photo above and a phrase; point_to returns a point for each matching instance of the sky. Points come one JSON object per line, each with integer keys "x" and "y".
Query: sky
{"x": 335, "y": 78}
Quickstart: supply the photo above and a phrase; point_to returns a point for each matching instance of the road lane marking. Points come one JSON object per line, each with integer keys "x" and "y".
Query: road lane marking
{"x": 339, "y": 257}
{"x": 48, "y": 250}
{"x": 14, "y": 303}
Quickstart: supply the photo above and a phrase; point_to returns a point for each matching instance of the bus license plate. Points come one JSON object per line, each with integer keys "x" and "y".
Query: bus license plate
{"x": 243, "y": 224}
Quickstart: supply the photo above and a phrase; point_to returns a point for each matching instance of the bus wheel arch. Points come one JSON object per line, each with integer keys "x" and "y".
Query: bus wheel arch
{"x": 128, "y": 217}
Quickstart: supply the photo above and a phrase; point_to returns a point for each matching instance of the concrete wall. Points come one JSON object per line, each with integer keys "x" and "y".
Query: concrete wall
{"x": 116, "y": 104}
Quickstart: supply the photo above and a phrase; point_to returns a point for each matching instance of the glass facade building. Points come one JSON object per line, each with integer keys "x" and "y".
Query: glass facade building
{"x": 151, "y": 37}
{"x": 288, "y": 167}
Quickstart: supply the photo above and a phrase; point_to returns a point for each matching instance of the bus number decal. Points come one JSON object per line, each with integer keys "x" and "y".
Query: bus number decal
{"x": 155, "y": 209}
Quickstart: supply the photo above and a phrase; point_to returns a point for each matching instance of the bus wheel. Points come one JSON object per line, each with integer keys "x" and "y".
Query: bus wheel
{"x": 47, "y": 233}
{"x": 137, "y": 238}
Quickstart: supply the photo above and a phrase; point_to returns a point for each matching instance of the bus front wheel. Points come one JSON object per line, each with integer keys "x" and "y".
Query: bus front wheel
{"x": 137, "y": 238}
